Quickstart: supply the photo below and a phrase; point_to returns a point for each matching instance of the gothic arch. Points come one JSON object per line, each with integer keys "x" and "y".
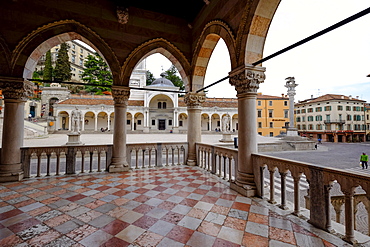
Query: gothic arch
{"x": 251, "y": 38}
{"x": 31, "y": 48}
{"x": 211, "y": 34}
{"x": 157, "y": 46}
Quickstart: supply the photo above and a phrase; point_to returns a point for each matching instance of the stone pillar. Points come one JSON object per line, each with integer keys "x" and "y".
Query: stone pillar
{"x": 246, "y": 81}
{"x": 96, "y": 122}
{"x": 349, "y": 215}
{"x": 193, "y": 102}
{"x": 119, "y": 160}
{"x": 15, "y": 91}
{"x": 291, "y": 85}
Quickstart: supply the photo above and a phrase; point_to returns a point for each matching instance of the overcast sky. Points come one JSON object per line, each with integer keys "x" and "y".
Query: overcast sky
{"x": 335, "y": 63}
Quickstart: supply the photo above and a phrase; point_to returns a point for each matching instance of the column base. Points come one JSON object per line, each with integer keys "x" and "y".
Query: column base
{"x": 114, "y": 168}
{"x": 245, "y": 190}
{"x": 11, "y": 177}
{"x": 191, "y": 163}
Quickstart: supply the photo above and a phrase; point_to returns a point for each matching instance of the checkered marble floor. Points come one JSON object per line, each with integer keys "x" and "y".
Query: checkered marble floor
{"x": 172, "y": 206}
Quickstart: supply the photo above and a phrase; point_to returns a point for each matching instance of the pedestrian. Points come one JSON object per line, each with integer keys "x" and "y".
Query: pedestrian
{"x": 30, "y": 117}
{"x": 319, "y": 140}
{"x": 364, "y": 159}
{"x": 315, "y": 145}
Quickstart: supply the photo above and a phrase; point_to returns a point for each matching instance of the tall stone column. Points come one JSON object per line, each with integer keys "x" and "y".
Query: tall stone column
{"x": 291, "y": 85}
{"x": 119, "y": 159}
{"x": 246, "y": 81}
{"x": 193, "y": 102}
{"x": 15, "y": 91}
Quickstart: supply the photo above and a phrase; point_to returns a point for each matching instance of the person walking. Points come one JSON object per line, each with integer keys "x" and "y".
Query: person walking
{"x": 364, "y": 159}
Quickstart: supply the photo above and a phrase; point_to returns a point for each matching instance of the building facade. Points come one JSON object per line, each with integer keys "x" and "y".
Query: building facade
{"x": 332, "y": 118}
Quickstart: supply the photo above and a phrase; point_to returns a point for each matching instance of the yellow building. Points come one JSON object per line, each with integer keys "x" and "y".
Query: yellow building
{"x": 272, "y": 114}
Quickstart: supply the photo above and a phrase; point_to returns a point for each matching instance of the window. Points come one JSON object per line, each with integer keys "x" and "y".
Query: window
{"x": 259, "y": 113}
{"x": 260, "y": 133}
{"x": 128, "y": 122}
{"x": 310, "y": 118}
{"x": 349, "y": 117}
{"x": 303, "y": 119}
{"x": 310, "y": 110}
{"x": 348, "y": 108}
{"x": 271, "y": 124}
{"x": 138, "y": 122}
{"x": 270, "y": 113}
{"x": 298, "y": 126}
{"x": 81, "y": 62}
{"x": 303, "y": 127}
{"x": 170, "y": 122}
{"x": 164, "y": 105}
{"x": 73, "y": 59}
{"x": 318, "y": 109}
{"x": 298, "y": 111}
{"x": 327, "y": 108}
{"x": 270, "y": 103}
{"x": 310, "y": 126}
{"x": 259, "y": 102}
{"x": 285, "y": 103}
{"x": 303, "y": 111}
{"x": 286, "y": 114}
{"x": 159, "y": 105}
{"x": 153, "y": 121}
{"x": 340, "y": 108}
{"x": 298, "y": 119}
{"x": 73, "y": 46}
{"x": 319, "y": 127}
{"x": 318, "y": 118}
{"x": 180, "y": 123}
{"x": 218, "y": 123}
{"x": 271, "y": 134}
{"x": 327, "y": 117}
{"x": 82, "y": 50}
{"x": 259, "y": 124}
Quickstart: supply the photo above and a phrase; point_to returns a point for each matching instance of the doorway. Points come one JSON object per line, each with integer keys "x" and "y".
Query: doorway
{"x": 161, "y": 124}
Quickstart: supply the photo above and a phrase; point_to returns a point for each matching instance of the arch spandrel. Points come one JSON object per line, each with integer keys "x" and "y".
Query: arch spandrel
{"x": 27, "y": 52}
{"x": 5, "y": 57}
{"x": 161, "y": 46}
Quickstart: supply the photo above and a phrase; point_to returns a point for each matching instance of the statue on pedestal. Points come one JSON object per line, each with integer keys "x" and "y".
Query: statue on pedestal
{"x": 76, "y": 116}
{"x": 226, "y": 123}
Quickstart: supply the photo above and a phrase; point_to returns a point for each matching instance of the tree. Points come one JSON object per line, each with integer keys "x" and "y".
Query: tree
{"x": 62, "y": 71}
{"x": 149, "y": 78}
{"x": 97, "y": 72}
{"x": 48, "y": 69}
{"x": 171, "y": 74}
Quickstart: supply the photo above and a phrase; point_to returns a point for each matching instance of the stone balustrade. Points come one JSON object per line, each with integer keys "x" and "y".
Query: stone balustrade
{"x": 218, "y": 160}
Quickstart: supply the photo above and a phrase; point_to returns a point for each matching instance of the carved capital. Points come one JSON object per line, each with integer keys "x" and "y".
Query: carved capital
{"x": 16, "y": 88}
{"x": 192, "y": 99}
{"x": 247, "y": 79}
{"x": 120, "y": 95}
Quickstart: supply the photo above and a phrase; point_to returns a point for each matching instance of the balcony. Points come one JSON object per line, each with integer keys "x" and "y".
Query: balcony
{"x": 339, "y": 121}
{"x": 69, "y": 199}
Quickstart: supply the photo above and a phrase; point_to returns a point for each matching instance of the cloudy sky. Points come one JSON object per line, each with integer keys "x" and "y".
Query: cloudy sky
{"x": 336, "y": 63}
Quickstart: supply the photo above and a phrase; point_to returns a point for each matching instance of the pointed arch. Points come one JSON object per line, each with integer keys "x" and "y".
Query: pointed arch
{"x": 207, "y": 42}
{"x": 29, "y": 50}
{"x": 163, "y": 47}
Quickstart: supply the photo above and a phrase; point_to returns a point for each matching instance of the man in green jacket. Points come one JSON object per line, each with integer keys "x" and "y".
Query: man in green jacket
{"x": 364, "y": 159}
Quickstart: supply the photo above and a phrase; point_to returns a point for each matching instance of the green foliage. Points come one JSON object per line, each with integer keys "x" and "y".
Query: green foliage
{"x": 149, "y": 78}
{"x": 48, "y": 69}
{"x": 62, "y": 71}
{"x": 97, "y": 72}
{"x": 172, "y": 75}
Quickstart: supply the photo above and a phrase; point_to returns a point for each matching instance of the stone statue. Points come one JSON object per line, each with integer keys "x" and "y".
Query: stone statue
{"x": 76, "y": 119}
{"x": 226, "y": 123}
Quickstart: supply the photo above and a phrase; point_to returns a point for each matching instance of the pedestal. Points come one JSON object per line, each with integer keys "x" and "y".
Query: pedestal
{"x": 226, "y": 137}
{"x": 292, "y": 132}
{"x": 74, "y": 139}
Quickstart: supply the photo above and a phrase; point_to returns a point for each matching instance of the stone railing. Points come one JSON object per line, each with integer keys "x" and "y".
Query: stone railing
{"x": 218, "y": 160}
{"x": 142, "y": 155}
{"x": 321, "y": 180}
{"x": 55, "y": 160}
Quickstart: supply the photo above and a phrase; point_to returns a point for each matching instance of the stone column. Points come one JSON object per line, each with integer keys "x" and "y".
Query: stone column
{"x": 15, "y": 91}
{"x": 96, "y": 122}
{"x": 291, "y": 85}
{"x": 119, "y": 160}
{"x": 193, "y": 102}
{"x": 246, "y": 81}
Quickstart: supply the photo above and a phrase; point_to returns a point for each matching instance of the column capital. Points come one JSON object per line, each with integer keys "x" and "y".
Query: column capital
{"x": 120, "y": 95}
{"x": 246, "y": 79}
{"x": 16, "y": 88}
{"x": 193, "y": 99}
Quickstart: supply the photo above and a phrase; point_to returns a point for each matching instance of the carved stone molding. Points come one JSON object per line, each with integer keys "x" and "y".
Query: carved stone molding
{"x": 120, "y": 95}
{"x": 247, "y": 79}
{"x": 192, "y": 99}
{"x": 122, "y": 15}
{"x": 15, "y": 88}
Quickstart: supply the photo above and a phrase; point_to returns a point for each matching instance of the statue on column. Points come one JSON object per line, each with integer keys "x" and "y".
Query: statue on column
{"x": 76, "y": 116}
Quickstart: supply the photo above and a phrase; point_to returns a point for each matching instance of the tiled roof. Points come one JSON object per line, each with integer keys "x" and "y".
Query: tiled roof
{"x": 328, "y": 97}
{"x": 75, "y": 101}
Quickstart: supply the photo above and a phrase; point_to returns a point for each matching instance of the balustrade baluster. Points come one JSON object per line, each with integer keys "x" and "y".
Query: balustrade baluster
{"x": 348, "y": 212}
{"x": 327, "y": 199}
{"x": 48, "y": 164}
{"x": 58, "y": 164}
{"x": 99, "y": 161}
{"x": 230, "y": 170}
{"x": 219, "y": 164}
{"x": 296, "y": 180}
{"x": 91, "y": 161}
{"x": 178, "y": 156}
{"x": 226, "y": 157}
{"x": 167, "y": 161}
{"x": 82, "y": 162}
{"x": 38, "y": 165}
{"x": 283, "y": 190}
{"x": 272, "y": 186}
{"x": 150, "y": 157}
{"x": 173, "y": 156}
{"x": 137, "y": 159}
{"x": 143, "y": 154}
